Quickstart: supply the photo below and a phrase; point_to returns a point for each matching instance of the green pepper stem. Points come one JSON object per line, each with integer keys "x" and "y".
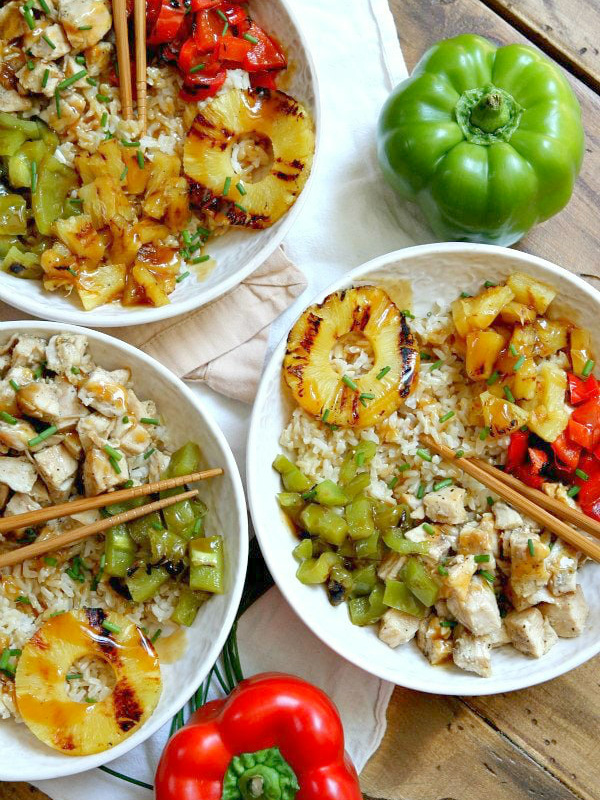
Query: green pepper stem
{"x": 491, "y": 112}
{"x": 264, "y": 775}
{"x": 487, "y": 115}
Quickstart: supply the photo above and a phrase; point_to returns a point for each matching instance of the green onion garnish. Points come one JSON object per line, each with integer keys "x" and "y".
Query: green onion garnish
{"x": 366, "y": 396}
{"x": 406, "y": 313}
{"x": 30, "y": 65}
{"x": 28, "y": 17}
{"x": 90, "y": 700}
{"x": 489, "y": 500}
{"x": 129, "y": 144}
{"x": 464, "y": 295}
{"x": 80, "y": 59}
{"x": 115, "y": 464}
{"x": 128, "y": 484}
{"x": 104, "y": 119}
{"x": 84, "y": 28}
{"x": 75, "y": 202}
{"x": 45, "y": 78}
{"x": 425, "y": 356}
{"x": 41, "y": 437}
{"x": 140, "y": 159}
{"x": 51, "y": 562}
{"x": 148, "y": 453}
{"x": 22, "y": 599}
{"x": 442, "y": 571}
{"x": 429, "y": 529}
{"x": 14, "y": 385}
{"x": 8, "y": 418}
{"x": 225, "y": 29}
{"x": 349, "y": 383}
{"x": 110, "y": 626}
{"x": 447, "y": 416}
{"x": 459, "y": 454}
{"x": 519, "y": 363}
{"x": 442, "y": 484}
{"x": 221, "y": 14}
{"x": 92, "y": 81}
{"x": 513, "y": 350}
{"x": 112, "y": 452}
{"x": 485, "y": 432}
{"x": 393, "y": 482}
{"x": 481, "y": 559}
{"x": 197, "y": 68}
{"x": 226, "y": 186}
{"x": 156, "y": 635}
{"x": 588, "y": 369}
{"x": 240, "y": 187}
{"x": 249, "y": 38}
{"x": 421, "y": 491}
{"x": 403, "y": 467}
{"x": 75, "y": 370}
{"x": 489, "y": 284}
{"x": 200, "y": 260}
{"x": 508, "y": 394}
{"x": 487, "y": 575}
{"x": 57, "y": 102}
{"x": 325, "y": 415}
{"x": 447, "y": 623}
{"x": 44, "y": 6}
{"x": 74, "y": 676}
{"x": 309, "y": 495}
{"x": 124, "y": 174}
{"x": 241, "y": 208}
{"x": 103, "y": 98}
{"x": 581, "y": 474}
{"x": 493, "y": 379}
{"x": 150, "y": 421}
{"x": 48, "y": 41}
{"x": 73, "y": 79}
{"x": 381, "y": 375}
{"x": 436, "y": 365}
{"x": 181, "y": 277}
{"x": 530, "y": 547}
{"x": 424, "y": 454}
{"x": 574, "y": 491}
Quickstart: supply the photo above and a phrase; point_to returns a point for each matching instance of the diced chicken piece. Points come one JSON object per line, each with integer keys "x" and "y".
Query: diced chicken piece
{"x": 39, "y": 493}
{"x": 87, "y": 517}
{"x": 447, "y": 505}
{"x": 441, "y": 609}
{"x": 473, "y": 654}
{"x": 397, "y": 628}
{"x": 71, "y": 67}
{"x": 35, "y": 80}
{"x": 528, "y": 554}
{"x": 559, "y": 492}
{"x": 499, "y": 637}
{"x": 480, "y": 538}
{"x": 4, "y": 362}
{"x": 541, "y": 595}
{"x": 139, "y": 408}
{"x": 72, "y": 106}
{"x": 15, "y": 437}
{"x": 507, "y": 519}
{"x": 136, "y": 440}
{"x": 73, "y": 444}
{"x": 86, "y": 22}
{"x": 12, "y": 21}
{"x": 434, "y": 641}
{"x": 39, "y": 400}
{"x": 99, "y": 475}
{"x": 478, "y": 611}
{"x": 528, "y": 632}
{"x": 58, "y": 470}
{"x": 41, "y": 49}
{"x": 19, "y": 375}
{"x": 390, "y": 566}
{"x": 562, "y": 566}
{"x": 98, "y": 58}
{"x": 67, "y": 352}
{"x": 568, "y": 614}
{"x": 20, "y": 503}
{"x": 458, "y": 580}
{"x": 18, "y": 473}
{"x": 12, "y": 101}
{"x": 157, "y": 464}
{"x": 104, "y": 393}
{"x": 93, "y": 431}
{"x": 439, "y": 542}
{"x": 71, "y": 410}
{"x": 29, "y": 351}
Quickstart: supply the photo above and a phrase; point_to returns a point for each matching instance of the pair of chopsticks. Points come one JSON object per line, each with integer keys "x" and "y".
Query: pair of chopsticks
{"x": 545, "y": 510}
{"x": 124, "y": 61}
{"x": 32, "y": 518}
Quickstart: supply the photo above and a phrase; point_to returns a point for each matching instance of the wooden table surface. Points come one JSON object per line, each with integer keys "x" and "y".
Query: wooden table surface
{"x": 536, "y": 744}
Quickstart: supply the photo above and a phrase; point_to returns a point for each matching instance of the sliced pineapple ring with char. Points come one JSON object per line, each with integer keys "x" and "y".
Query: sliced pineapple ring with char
{"x": 271, "y": 116}
{"x": 317, "y": 385}
{"x": 80, "y": 729}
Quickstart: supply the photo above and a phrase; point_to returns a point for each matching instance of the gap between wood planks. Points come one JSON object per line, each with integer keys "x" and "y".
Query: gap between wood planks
{"x": 543, "y": 42}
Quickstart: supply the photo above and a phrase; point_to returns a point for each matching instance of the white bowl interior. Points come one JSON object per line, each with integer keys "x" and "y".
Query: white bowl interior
{"x": 22, "y": 756}
{"x": 436, "y": 272}
{"x": 237, "y": 254}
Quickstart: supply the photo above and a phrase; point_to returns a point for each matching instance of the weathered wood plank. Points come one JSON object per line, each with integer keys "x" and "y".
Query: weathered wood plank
{"x": 567, "y": 29}
{"x": 572, "y": 238}
{"x": 20, "y": 791}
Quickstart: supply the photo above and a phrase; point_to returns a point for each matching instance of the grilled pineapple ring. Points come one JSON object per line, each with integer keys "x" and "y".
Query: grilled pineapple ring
{"x": 272, "y": 116}
{"x": 79, "y": 729}
{"x": 320, "y": 389}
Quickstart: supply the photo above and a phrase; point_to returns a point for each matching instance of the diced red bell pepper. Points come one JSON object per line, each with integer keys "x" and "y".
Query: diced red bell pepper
{"x": 266, "y": 54}
{"x": 517, "y": 450}
{"x": 539, "y": 459}
{"x": 200, "y": 5}
{"x": 152, "y": 11}
{"x": 584, "y": 425}
{"x": 589, "y": 493}
{"x": 263, "y": 80}
{"x": 233, "y": 50}
{"x": 169, "y": 21}
{"x": 191, "y": 57}
{"x": 525, "y": 473}
{"x": 207, "y": 30}
{"x": 236, "y": 17}
{"x": 567, "y": 453}
{"x": 580, "y": 391}
{"x": 201, "y": 85}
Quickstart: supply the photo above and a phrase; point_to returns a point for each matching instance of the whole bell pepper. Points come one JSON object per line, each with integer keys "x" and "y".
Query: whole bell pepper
{"x": 275, "y": 737}
{"x": 488, "y": 141}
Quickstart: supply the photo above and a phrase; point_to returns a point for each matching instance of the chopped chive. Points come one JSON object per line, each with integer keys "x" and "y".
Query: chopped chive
{"x": 425, "y": 356}
{"x": 519, "y": 363}
{"x": 200, "y": 260}
{"x": 150, "y": 421}
{"x": 383, "y": 373}
{"x": 366, "y": 396}
{"x": 249, "y": 38}
{"x": 403, "y": 467}
{"x": 73, "y": 79}
{"x": 37, "y": 373}
{"x": 90, "y": 700}
{"x": 76, "y": 202}
{"x": 129, "y": 144}
{"x": 41, "y": 437}
{"x": 74, "y": 676}
{"x": 148, "y": 453}
{"x": 309, "y": 495}
{"x": 442, "y": 484}
{"x": 8, "y": 418}
{"x": 14, "y": 385}
{"x": 349, "y": 383}
{"x": 187, "y": 237}
{"x": 128, "y": 484}
{"x": 447, "y": 416}
{"x": 48, "y": 41}
{"x": 325, "y": 415}
{"x": 424, "y": 454}
{"x": 481, "y": 559}
{"x": 28, "y": 17}
{"x": 92, "y": 81}
{"x": 487, "y": 575}
{"x": 201, "y": 232}
{"x": 513, "y": 350}
{"x": 156, "y": 636}
{"x": 104, "y": 119}
{"x": 530, "y": 547}
{"x": 4, "y": 658}
{"x": 436, "y": 365}
{"x": 44, "y": 6}
{"x": 181, "y": 277}
{"x": 485, "y": 432}
{"x": 429, "y": 529}
{"x": 493, "y": 379}
{"x": 222, "y": 15}
{"x": 240, "y": 187}
{"x": 442, "y": 571}
{"x": 112, "y": 452}
{"x": 489, "y": 284}
{"x": 45, "y": 78}
{"x": 406, "y": 313}
{"x": 80, "y": 59}
{"x": 241, "y": 208}
{"x": 115, "y": 464}
{"x": 75, "y": 370}
{"x": 489, "y": 500}
{"x": 421, "y": 491}
{"x": 124, "y": 174}
{"x": 225, "y": 29}
{"x": 110, "y": 626}
{"x": 51, "y": 562}
{"x": 447, "y": 623}
{"x": 589, "y": 367}
{"x": 22, "y": 599}
{"x": 84, "y": 28}
{"x": 197, "y": 68}
{"x": 464, "y": 295}
{"x": 30, "y": 65}
{"x": 140, "y": 159}
{"x": 103, "y": 98}
{"x": 57, "y": 102}
{"x": 393, "y": 482}
{"x": 508, "y": 394}
{"x": 226, "y": 187}
{"x": 459, "y": 454}
{"x": 574, "y": 491}
{"x": 581, "y": 474}
{"x": 72, "y": 271}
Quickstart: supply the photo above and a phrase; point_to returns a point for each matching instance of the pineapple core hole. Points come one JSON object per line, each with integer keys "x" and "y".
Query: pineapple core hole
{"x": 90, "y": 679}
{"x": 352, "y": 355}
{"x": 252, "y": 156}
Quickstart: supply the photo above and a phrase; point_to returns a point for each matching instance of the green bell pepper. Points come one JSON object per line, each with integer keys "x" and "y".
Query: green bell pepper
{"x": 488, "y": 141}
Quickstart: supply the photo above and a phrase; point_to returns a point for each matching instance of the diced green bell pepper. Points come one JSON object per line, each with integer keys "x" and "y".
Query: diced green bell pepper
{"x": 292, "y": 503}
{"x": 397, "y": 595}
{"x": 166, "y": 544}
{"x": 359, "y": 517}
{"x": 55, "y": 182}
{"x": 126, "y": 505}
{"x": 365, "y": 451}
{"x": 207, "y": 565}
{"x": 145, "y": 582}
{"x": 187, "y": 606}
{"x": 325, "y": 523}
{"x": 184, "y": 461}
{"x": 179, "y": 518}
{"x": 10, "y": 141}
{"x": 340, "y": 575}
{"x": 364, "y": 580}
{"x": 396, "y": 542}
{"x": 348, "y": 469}
{"x": 420, "y": 582}
{"x": 303, "y": 550}
{"x": 386, "y": 515}
{"x": 119, "y": 549}
{"x": 19, "y": 165}
{"x": 358, "y": 485}
{"x": 369, "y": 547}
{"x": 317, "y": 570}
{"x": 369, "y": 609}
{"x": 329, "y": 493}
{"x": 7, "y": 243}
{"x": 11, "y": 122}
{"x": 13, "y": 214}
{"x": 140, "y": 528}
{"x": 20, "y": 264}
{"x": 293, "y": 480}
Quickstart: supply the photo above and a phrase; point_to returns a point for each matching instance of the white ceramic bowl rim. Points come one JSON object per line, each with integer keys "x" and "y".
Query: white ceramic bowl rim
{"x": 76, "y": 764}
{"x": 494, "y": 685}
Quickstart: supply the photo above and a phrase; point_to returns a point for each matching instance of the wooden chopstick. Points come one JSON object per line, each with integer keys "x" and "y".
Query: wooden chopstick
{"x": 77, "y": 534}
{"x": 518, "y": 500}
{"x": 31, "y": 518}
{"x": 140, "y": 61}
{"x": 120, "y": 23}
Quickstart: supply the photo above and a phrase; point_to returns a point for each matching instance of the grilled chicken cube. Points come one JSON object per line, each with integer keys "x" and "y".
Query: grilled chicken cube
{"x": 18, "y": 473}
{"x": 396, "y": 627}
{"x": 93, "y": 431}
{"x": 559, "y": 492}
{"x": 99, "y": 475}
{"x": 58, "y": 469}
{"x": 72, "y": 105}
{"x": 29, "y": 351}
{"x": 478, "y": 611}
{"x": 79, "y": 235}
{"x": 20, "y": 503}
{"x": 568, "y": 613}
{"x": 480, "y": 538}
{"x": 499, "y": 637}
{"x": 15, "y": 437}
{"x": 157, "y": 464}
{"x": 507, "y": 519}
{"x": 447, "y": 505}
{"x": 136, "y": 440}
{"x": 42, "y": 79}
{"x": 390, "y": 566}
{"x": 458, "y": 580}
{"x": 562, "y": 565}
{"x": 98, "y": 58}
{"x": 38, "y": 47}
{"x": 434, "y": 641}
{"x": 66, "y": 353}
{"x": 39, "y": 493}
{"x": 11, "y": 101}
{"x": 472, "y": 653}
{"x": 103, "y": 392}
{"x": 140, "y": 408}
{"x": 86, "y": 22}
{"x": 12, "y": 21}
{"x": 39, "y": 400}
{"x": 530, "y": 632}
{"x": 528, "y": 571}
{"x": 71, "y": 409}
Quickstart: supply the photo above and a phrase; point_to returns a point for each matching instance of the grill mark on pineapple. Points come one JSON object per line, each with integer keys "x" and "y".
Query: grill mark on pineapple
{"x": 284, "y": 176}
{"x": 406, "y": 335}
{"x": 313, "y": 324}
{"x": 128, "y": 711}
{"x": 360, "y": 317}
{"x": 64, "y": 741}
{"x": 408, "y": 375}
{"x": 95, "y": 617}
{"x": 39, "y": 642}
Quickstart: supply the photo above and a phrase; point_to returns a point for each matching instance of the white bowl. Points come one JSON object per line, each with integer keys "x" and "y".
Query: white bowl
{"x": 238, "y": 253}
{"x": 436, "y": 272}
{"x": 22, "y": 756}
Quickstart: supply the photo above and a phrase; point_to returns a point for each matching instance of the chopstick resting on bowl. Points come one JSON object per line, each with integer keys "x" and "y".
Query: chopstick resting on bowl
{"x": 124, "y": 59}
{"x": 522, "y": 500}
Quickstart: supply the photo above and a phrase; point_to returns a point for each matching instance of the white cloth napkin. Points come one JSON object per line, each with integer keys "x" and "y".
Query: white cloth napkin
{"x": 350, "y": 217}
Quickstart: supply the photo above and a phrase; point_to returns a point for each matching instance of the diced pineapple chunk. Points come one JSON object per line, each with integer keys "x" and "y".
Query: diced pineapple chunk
{"x": 125, "y": 244}
{"x": 525, "y": 380}
{"x": 136, "y": 178}
{"x": 548, "y": 414}
{"x": 500, "y": 415}
{"x": 80, "y": 236}
{"x": 517, "y": 313}
{"x": 522, "y": 342}
{"x": 148, "y": 230}
{"x": 162, "y": 169}
{"x": 101, "y": 285}
{"x": 551, "y": 336}
{"x": 152, "y": 289}
{"x": 531, "y": 292}
{"x": 581, "y": 349}
{"x": 483, "y": 348}
{"x": 177, "y": 211}
{"x": 106, "y": 161}
{"x": 106, "y": 203}
{"x": 478, "y": 313}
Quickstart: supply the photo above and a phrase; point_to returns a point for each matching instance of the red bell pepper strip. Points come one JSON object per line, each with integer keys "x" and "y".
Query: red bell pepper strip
{"x": 275, "y": 736}
{"x": 589, "y": 491}
{"x": 528, "y": 476}
{"x": 233, "y": 50}
{"x": 517, "y": 450}
{"x": 200, "y": 5}
{"x": 152, "y": 11}
{"x": 265, "y": 53}
{"x": 263, "y": 80}
{"x": 208, "y": 28}
{"x": 580, "y": 391}
{"x": 201, "y": 85}
{"x": 169, "y": 21}
{"x": 566, "y": 452}
{"x": 584, "y": 425}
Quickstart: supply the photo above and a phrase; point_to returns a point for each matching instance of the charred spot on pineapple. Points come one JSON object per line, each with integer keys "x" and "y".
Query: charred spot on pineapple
{"x": 389, "y": 377}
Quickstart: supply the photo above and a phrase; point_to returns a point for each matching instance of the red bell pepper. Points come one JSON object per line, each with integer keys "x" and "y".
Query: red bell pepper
{"x": 528, "y": 476}
{"x": 584, "y": 425}
{"x": 233, "y": 50}
{"x": 208, "y": 28}
{"x": 517, "y": 450}
{"x": 200, "y": 5}
{"x": 265, "y": 53}
{"x": 580, "y": 391}
{"x": 152, "y": 11}
{"x": 206, "y": 83}
{"x": 275, "y": 736}
{"x": 263, "y": 80}
{"x": 589, "y": 491}
{"x": 169, "y": 21}
{"x": 566, "y": 452}
{"x": 236, "y": 17}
